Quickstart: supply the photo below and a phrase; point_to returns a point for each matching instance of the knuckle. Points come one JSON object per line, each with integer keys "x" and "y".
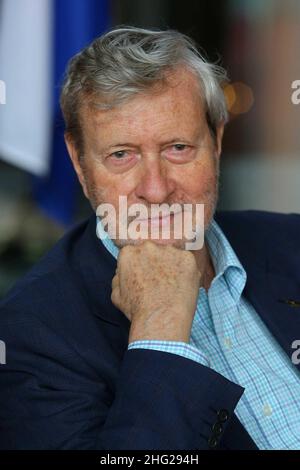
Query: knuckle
{"x": 123, "y": 254}
{"x": 126, "y": 249}
{"x": 188, "y": 255}
{"x": 170, "y": 248}
{"x": 190, "y": 258}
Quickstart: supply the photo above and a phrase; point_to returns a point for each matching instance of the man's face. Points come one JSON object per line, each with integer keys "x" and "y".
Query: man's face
{"x": 156, "y": 148}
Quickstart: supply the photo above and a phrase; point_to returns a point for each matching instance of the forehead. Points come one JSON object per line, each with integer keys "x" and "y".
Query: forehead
{"x": 177, "y": 105}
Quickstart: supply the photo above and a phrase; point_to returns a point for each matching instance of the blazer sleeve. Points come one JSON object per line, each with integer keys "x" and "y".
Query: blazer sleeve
{"x": 160, "y": 401}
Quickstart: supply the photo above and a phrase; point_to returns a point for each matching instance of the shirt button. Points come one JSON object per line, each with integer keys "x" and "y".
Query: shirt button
{"x": 267, "y": 410}
{"x": 227, "y": 343}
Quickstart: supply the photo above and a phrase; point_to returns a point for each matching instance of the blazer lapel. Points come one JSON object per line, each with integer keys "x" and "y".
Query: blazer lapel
{"x": 267, "y": 292}
{"x": 97, "y": 267}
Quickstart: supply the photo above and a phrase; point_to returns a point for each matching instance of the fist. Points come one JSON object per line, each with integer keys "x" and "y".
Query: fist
{"x": 156, "y": 287}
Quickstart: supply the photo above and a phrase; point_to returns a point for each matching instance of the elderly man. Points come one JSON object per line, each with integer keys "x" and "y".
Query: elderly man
{"x": 115, "y": 342}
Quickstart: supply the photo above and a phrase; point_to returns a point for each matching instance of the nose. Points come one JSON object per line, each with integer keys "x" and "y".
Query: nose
{"x": 154, "y": 184}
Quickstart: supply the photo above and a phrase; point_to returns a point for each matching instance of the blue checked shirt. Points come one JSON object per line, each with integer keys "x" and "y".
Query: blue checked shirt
{"x": 228, "y": 336}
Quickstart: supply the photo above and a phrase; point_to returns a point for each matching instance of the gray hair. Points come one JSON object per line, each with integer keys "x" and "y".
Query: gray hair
{"x": 126, "y": 61}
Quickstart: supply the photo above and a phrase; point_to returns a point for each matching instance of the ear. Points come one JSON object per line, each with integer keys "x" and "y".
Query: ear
{"x": 219, "y": 137}
{"x": 74, "y": 155}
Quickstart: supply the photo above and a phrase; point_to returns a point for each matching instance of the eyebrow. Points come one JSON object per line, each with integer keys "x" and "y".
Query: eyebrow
{"x": 131, "y": 144}
{"x": 123, "y": 144}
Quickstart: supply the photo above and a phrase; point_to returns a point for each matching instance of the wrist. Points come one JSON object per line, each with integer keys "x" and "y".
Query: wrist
{"x": 140, "y": 333}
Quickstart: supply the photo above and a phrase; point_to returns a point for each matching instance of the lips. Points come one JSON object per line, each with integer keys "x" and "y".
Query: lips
{"x": 156, "y": 221}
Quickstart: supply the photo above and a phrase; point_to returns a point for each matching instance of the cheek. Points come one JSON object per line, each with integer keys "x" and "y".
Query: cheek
{"x": 199, "y": 181}
{"x": 108, "y": 187}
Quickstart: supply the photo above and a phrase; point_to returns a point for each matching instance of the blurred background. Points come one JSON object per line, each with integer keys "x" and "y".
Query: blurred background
{"x": 258, "y": 42}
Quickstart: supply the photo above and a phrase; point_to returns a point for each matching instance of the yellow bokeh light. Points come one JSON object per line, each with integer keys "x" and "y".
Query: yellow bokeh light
{"x": 239, "y": 98}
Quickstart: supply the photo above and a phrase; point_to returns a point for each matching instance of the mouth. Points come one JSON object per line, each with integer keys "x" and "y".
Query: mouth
{"x": 158, "y": 221}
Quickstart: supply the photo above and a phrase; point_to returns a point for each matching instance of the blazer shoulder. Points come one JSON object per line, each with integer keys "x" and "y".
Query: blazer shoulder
{"x": 261, "y": 223}
{"x": 257, "y": 216}
{"x": 258, "y": 236}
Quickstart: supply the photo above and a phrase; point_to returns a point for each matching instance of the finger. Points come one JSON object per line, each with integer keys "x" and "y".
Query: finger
{"x": 115, "y": 281}
{"x": 115, "y": 296}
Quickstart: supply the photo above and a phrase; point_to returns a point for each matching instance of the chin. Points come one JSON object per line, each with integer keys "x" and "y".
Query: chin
{"x": 180, "y": 244}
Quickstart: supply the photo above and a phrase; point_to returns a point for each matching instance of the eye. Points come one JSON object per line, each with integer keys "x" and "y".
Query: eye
{"x": 180, "y": 147}
{"x": 121, "y": 160}
{"x": 118, "y": 154}
{"x": 179, "y": 153}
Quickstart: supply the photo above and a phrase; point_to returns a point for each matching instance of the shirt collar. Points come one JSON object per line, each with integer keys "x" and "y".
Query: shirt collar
{"x": 106, "y": 240}
{"x": 226, "y": 262}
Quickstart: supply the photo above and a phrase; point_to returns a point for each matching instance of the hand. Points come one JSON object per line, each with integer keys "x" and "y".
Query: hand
{"x": 156, "y": 287}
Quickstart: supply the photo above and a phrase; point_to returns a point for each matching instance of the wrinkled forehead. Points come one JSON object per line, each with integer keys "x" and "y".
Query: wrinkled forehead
{"x": 176, "y": 102}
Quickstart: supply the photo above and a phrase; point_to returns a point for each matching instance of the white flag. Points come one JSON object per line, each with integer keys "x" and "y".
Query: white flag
{"x": 26, "y": 77}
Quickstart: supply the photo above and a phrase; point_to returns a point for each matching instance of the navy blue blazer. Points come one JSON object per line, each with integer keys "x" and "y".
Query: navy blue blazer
{"x": 69, "y": 381}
